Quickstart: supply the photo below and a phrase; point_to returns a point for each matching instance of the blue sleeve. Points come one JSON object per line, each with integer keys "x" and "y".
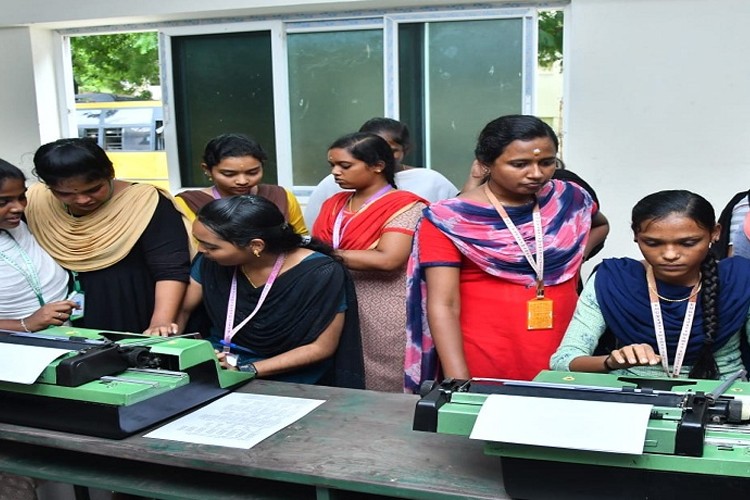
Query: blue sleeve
{"x": 195, "y": 268}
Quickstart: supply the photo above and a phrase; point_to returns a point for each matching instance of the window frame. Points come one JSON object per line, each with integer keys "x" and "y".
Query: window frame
{"x": 279, "y": 27}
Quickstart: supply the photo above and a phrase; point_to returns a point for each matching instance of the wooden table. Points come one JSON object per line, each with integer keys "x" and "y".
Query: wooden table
{"x": 357, "y": 445}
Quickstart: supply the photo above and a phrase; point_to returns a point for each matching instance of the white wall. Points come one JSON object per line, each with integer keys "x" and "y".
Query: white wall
{"x": 657, "y": 90}
{"x": 658, "y": 98}
{"x": 19, "y": 124}
{"x": 68, "y": 13}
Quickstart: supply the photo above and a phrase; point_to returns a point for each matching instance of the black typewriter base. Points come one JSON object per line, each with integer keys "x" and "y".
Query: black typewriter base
{"x": 541, "y": 480}
{"x": 110, "y": 421}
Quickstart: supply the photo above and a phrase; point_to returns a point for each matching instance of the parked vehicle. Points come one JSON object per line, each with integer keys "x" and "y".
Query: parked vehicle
{"x": 130, "y": 131}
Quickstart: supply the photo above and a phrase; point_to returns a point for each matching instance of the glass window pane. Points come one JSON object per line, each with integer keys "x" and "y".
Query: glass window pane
{"x": 469, "y": 81}
{"x": 335, "y": 85}
{"x": 411, "y": 80}
{"x": 222, "y": 83}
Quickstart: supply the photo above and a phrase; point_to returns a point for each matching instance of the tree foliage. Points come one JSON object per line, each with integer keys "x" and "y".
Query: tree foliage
{"x": 128, "y": 63}
{"x": 124, "y": 63}
{"x": 550, "y": 37}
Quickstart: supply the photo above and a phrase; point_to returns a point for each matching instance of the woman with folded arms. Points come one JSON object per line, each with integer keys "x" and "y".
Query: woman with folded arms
{"x": 371, "y": 227}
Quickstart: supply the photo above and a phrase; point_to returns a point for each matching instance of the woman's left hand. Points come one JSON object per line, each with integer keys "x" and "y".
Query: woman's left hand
{"x": 162, "y": 330}
{"x": 222, "y": 357}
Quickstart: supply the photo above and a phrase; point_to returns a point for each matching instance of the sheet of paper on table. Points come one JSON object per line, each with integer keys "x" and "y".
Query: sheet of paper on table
{"x": 563, "y": 423}
{"x": 22, "y": 364}
{"x": 237, "y": 420}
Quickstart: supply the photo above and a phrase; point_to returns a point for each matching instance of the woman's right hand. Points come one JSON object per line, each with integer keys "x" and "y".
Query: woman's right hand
{"x": 632, "y": 355}
{"x": 52, "y": 314}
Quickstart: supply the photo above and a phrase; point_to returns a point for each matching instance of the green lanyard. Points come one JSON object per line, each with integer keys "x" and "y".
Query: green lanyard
{"x": 26, "y": 270}
{"x": 76, "y": 282}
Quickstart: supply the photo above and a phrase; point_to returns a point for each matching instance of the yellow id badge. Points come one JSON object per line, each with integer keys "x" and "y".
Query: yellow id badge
{"x": 540, "y": 314}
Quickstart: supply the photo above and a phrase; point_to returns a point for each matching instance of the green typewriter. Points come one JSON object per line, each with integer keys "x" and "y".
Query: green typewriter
{"x": 109, "y": 384}
{"x": 697, "y": 436}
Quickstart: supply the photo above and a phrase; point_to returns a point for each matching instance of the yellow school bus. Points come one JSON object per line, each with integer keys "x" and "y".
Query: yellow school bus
{"x": 131, "y": 132}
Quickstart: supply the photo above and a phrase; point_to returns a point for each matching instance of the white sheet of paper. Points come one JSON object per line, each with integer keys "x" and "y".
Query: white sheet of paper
{"x": 22, "y": 364}
{"x": 563, "y": 423}
{"x": 237, "y": 420}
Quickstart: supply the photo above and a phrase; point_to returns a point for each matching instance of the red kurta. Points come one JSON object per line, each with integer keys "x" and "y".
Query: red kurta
{"x": 496, "y": 340}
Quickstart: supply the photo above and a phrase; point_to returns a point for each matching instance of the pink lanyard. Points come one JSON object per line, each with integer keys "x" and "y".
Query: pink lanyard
{"x": 338, "y": 231}
{"x": 661, "y": 337}
{"x": 538, "y": 264}
{"x": 215, "y": 193}
{"x": 230, "y": 332}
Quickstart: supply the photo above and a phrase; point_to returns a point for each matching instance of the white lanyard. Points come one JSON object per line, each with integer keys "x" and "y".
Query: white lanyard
{"x": 661, "y": 338}
{"x": 338, "y": 231}
{"x": 538, "y": 264}
{"x": 27, "y": 271}
{"x": 229, "y": 331}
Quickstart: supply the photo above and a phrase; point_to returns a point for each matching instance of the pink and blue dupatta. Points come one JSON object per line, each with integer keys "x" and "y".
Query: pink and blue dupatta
{"x": 481, "y": 236}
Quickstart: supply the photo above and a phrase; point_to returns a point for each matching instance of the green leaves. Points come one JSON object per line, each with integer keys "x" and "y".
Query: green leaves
{"x": 550, "y": 37}
{"x": 125, "y": 63}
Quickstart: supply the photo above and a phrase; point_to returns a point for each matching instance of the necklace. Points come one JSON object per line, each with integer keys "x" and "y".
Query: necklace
{"x": 370, "y": 199}
{"x": 242, "y": 268}
{"x": 693, "y": 293}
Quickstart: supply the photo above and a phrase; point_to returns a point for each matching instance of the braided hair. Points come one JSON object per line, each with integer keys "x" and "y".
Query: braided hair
{"x": 705, "y": 365}
{"x": 660, "y": 205}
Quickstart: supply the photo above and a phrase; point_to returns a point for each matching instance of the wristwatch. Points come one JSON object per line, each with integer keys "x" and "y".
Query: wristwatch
{"x": 248, "y": 368}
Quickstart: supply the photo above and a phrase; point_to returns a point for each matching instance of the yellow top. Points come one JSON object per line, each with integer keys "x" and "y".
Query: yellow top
{"x": 296, "y": 220}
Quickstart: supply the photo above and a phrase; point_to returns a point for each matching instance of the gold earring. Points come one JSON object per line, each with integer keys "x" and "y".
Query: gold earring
{"x": 256, "y": 252}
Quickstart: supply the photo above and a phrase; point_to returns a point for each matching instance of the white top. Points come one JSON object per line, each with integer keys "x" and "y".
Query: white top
{"x": 429, "y": 184}
{"x": 17, "y": 299}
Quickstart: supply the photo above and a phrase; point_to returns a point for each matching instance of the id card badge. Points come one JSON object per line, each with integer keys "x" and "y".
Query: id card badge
{"x": 539, "y": 314}
{"x": 80, "y": 299}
